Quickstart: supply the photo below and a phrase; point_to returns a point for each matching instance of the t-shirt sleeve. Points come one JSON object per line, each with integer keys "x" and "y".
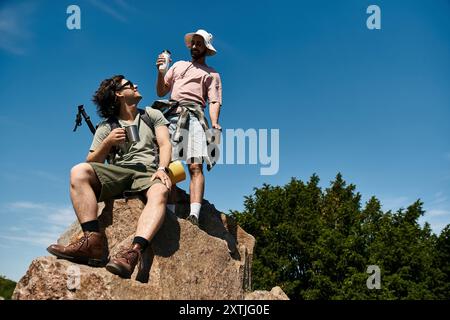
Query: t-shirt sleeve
{"x": 215, "y": 89}
{"x": 170, "y": 76}
{"x": 156, "y": 117}
{"x": 101, "y": 133}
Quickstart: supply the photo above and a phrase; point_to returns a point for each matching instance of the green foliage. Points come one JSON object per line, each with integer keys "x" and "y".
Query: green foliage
{"x": 318, "y": 244}
{"x": 6, "y": 287}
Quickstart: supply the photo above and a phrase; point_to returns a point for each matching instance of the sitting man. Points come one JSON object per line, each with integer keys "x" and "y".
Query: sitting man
{"x": 134, "y": 170}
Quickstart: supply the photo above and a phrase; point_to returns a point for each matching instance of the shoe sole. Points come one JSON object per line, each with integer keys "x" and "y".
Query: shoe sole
{"x": 89, "y": 261}
{"x": 118, "y": 270}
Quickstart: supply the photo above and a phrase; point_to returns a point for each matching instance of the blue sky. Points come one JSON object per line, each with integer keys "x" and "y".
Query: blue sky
{"x": 371, "y": 104}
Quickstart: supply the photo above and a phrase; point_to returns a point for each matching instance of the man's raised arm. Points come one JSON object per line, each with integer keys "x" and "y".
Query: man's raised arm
{"x": 161, "y": 88}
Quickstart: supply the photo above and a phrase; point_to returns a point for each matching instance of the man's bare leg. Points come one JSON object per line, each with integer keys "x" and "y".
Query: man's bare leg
{"x": 196, "y": 189}
{"x": 152, "y": 216}
{"x": 150, "y": 221}
{"x": 83, "y": 186}
{"x": 197, "y": 184}
{"x": 89, "y": 248}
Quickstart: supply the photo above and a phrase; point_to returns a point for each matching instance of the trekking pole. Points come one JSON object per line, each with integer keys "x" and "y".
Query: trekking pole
{"x": 77, "y": 121}
{"x": 82, "y": 112}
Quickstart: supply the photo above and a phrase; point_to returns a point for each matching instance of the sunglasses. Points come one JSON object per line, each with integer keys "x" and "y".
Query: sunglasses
{"x": 128, "y": 83}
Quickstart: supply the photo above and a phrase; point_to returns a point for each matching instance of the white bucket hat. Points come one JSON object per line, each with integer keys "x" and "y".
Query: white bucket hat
{"x": 206, "y": 36}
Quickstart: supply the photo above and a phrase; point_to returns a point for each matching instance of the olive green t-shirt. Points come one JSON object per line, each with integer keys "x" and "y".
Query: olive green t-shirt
{"x": 143, "y": 152}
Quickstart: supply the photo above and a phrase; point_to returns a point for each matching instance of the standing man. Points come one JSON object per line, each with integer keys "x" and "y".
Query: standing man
{"x": 193, "y": 84}
{"x": 135, "y": 169}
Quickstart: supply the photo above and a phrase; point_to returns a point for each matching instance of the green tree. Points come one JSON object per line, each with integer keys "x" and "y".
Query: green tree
{"x": 318, "y": 244}
{"x": 6, "y": 287}
{"x": 442, "y": 287}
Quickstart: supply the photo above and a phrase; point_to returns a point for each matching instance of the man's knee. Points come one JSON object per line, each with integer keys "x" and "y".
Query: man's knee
{"x": 81, "y": 173}
{"x": 195, "y": 169}
{"x": 157, "y": 192}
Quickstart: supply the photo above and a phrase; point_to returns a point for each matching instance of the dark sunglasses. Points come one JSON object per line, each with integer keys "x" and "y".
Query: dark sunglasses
{"x": 128, "y": 83}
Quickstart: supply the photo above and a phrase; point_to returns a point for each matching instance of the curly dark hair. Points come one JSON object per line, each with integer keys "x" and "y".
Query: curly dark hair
{"x": 105, "y": 97}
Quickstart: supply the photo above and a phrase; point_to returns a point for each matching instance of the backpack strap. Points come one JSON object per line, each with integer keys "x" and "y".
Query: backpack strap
{"x": 149, "y": 123}
{"x": 146, "y": 119}
{"x": 113, "y": 123}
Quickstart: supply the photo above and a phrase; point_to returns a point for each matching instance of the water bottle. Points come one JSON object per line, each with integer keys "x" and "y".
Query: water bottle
{"x": 165, "y": 66}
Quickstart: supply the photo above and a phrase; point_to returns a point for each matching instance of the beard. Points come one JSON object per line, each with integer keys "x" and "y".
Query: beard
{"x": 134, "y": 99}
{"x": 137, "y": 98}
{"x": 196, "y": 54}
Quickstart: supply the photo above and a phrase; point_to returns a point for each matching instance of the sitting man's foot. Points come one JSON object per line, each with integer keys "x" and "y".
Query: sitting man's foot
{"x": 87, "y": 249}
{"x": 124, "y": 262}
{"x": 193, "y": 219}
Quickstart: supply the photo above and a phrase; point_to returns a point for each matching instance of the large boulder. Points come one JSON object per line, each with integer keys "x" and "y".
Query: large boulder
{"x": 183, "y": 261}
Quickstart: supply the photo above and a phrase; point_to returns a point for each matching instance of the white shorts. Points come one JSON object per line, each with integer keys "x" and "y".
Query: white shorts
{"x": 195, "y": 149}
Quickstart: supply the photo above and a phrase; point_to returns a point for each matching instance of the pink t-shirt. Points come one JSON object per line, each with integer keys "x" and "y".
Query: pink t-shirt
{"x": 194, "y": 82}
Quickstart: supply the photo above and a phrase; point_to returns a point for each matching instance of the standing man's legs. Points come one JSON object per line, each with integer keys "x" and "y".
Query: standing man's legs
{"x": 196, "y": 189}
{"x": 195, "y": 167}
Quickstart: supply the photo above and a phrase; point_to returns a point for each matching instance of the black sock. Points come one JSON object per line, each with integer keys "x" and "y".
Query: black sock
{"x": 91, "y": 226}
{"x": 142, "y": 242}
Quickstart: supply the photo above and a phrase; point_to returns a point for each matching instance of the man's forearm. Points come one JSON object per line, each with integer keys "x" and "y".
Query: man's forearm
{"x": 165, "y": 154}
{"x": 160, "y": 86}
{"x": 214, "y": 111}
{"x": 100, "y": 154}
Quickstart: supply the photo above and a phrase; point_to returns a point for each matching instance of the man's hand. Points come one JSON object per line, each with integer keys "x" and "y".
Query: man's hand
{"x": 162, "y": 88}
{"x": 163, "y": 177}
{"x": 216, "y": 126}
{"x": 116, "y": 137}
{"x": 161, "y": 60}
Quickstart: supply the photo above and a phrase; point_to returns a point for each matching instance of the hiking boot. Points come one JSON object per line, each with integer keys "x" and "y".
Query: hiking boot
{"x": 124, "y": 262}
{"x": 193, "y": 219}
{"x": 87, "y": 249}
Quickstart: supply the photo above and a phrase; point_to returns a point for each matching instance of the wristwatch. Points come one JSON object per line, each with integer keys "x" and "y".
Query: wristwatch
{"x": 165, "y": 169}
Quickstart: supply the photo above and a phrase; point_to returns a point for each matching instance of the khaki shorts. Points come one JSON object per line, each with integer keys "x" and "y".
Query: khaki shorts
{"x": 119, "y": 181}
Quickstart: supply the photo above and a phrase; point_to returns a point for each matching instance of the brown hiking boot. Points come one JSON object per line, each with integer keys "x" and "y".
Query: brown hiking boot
{"x": 124, "y": 262}
{"x": 87, "y": 249}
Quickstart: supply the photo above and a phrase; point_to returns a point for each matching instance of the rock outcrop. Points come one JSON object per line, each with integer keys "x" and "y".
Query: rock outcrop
{"x": 275, "y": 294}
{"x": 183, "y": 261}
